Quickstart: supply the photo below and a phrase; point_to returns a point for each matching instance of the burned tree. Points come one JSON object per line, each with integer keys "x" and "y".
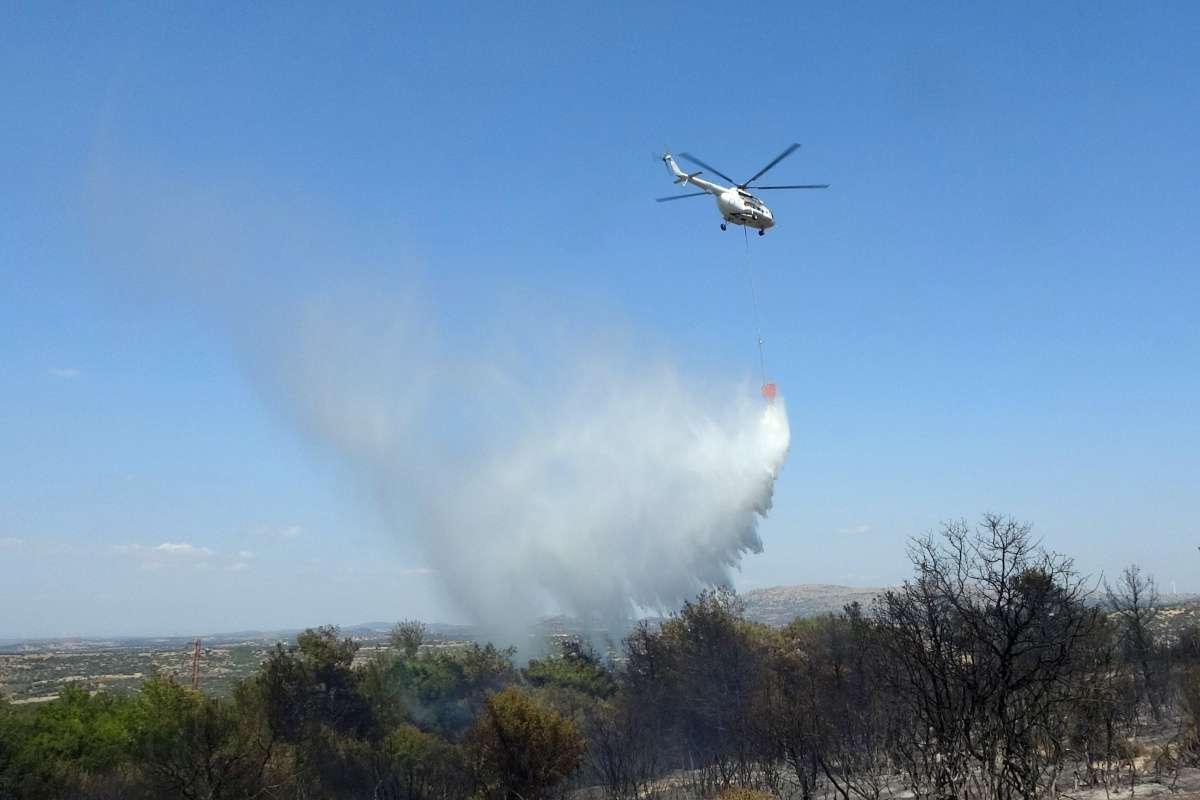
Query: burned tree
{"x": 987, "y": 647}
{"x": 701, "y": 675}
{"x": 1133, "y": 602}
{"x": 831, "y": 720}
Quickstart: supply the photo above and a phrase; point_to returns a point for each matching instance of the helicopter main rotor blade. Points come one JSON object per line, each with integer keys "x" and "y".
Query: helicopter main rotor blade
{"x": 797, "y": 186}
{"x": 763, "y": 171}
{"x": 699, "y": 163}
{"x": 678, "y": 197}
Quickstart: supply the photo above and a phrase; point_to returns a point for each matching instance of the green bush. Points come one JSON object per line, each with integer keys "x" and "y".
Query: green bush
{"x": 520, "y": 750}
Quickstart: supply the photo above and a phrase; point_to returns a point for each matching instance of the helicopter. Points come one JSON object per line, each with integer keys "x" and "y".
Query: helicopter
{"x": 735, "y": 203}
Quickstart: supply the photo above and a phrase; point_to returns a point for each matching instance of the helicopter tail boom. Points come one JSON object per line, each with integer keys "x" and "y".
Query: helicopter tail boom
{"x": 682, "y": 177}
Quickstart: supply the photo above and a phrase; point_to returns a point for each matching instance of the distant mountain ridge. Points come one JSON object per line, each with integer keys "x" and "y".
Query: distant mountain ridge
{"x": 779, "y": 605}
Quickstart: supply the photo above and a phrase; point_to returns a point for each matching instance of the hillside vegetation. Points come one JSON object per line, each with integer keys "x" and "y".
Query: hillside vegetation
{"x": 991, "y": 673}
{"x": 779, "y": 605}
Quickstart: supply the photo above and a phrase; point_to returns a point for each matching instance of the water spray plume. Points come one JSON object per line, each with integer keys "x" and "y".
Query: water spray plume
{"x": 597, "y": 484}
{"x": 554, "y": 475}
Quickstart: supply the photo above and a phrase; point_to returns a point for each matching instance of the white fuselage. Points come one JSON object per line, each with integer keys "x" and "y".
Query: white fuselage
{"x": 736, "y": 205}
{"x": 741, "y": 207}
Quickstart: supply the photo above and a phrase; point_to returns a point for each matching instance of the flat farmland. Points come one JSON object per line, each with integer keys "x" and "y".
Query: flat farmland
{"x": 33, "y": 671}
{"x": 36, "y": 671}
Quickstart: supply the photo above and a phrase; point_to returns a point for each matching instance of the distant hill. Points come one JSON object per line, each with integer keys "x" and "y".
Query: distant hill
{"x": 1173, "y": 620}
{"x": 779, "y": 605}
{"x": 1172, "y": 599}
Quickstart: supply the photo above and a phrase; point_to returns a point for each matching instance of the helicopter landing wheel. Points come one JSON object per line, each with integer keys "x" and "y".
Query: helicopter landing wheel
{"x": 761, "y": 232}
{"x": 723, "y": 226}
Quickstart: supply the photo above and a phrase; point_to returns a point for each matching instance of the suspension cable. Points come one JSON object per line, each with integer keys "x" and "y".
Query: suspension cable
{"x": 762, "y": 358}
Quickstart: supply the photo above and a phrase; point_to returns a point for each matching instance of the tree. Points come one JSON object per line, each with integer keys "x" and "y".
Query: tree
{"x": 1190, "y": 708}
{"x": 313, "y": 683}
{"x": 440, "y": 691}
{"x": 196, "y": 747}
{"x": 306, "y": 694}
{"x": 519, "y": 751}
{"x": 830, "y": 718}
{"x": 1102, "y": 721}
{"x": 11, "y": 736}
{"x": 623, "y": 749}
{"x": 59, "y": 748}
{"x": 406, "y": 764}
{"x": 1134, "y": 603}
{"x": 701, "y": 675}
{"x": 421, "y": 766}
{"x": 988, "y": 645}
{"x": 407, "y": 637}
{"x": 576, "y": 667}
{"x": 790, "y": 700}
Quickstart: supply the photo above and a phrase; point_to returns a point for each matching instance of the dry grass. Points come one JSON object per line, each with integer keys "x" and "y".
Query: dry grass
{"x": 743, "y": 794}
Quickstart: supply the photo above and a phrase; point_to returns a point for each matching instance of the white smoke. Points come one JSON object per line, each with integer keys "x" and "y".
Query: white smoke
{"x": 548, "y": 474}
{"x": 585, "y": 479}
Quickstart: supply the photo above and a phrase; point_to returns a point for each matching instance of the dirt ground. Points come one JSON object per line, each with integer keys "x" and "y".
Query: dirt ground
{"x": 1184, "y": 786}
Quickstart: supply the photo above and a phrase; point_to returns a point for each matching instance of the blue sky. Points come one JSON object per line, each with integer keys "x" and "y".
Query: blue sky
{"x": 992, "y": 309}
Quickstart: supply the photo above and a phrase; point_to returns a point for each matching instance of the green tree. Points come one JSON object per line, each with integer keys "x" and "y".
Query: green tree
{"x": 422, "y": 766}
{"x": 306, "y": 697}
{"x": 576, "y": 667}
{"x": 407, "y": 764}
{"x": 58, "y": 748}
{"x": 313, "y": 684}
{"x": 10, "y": 736}
{"x": 520, "y": 751}
{"x": 195, "y": 747}
{"x": 440, "y": 691}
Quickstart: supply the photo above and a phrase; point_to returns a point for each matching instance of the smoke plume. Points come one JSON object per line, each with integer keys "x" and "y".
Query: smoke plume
{"x": 586, "y": 479}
